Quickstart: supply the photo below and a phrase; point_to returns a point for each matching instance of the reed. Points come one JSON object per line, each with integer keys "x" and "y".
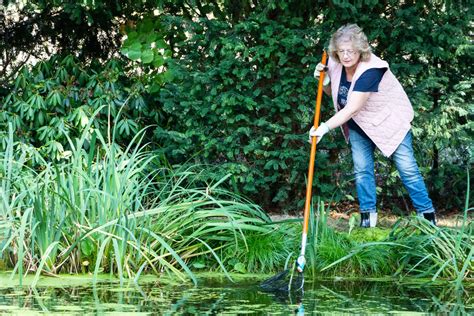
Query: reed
{"x": 115, "y": 210}
{"x": 124, "y": 211}
{"x": 334, "y": 253}
{"x": 434, "y": 252}
{"x": 413, "y": 248}
{"x": 263, "y": 252}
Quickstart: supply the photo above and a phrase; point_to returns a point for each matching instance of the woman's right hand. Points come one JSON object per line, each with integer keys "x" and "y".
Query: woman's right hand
{"x": 317, "y": 73}
{"x": 318, "y": 132}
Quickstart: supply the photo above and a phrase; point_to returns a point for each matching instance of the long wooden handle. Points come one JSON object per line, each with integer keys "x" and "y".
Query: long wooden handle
{"x": 313, "y": 156}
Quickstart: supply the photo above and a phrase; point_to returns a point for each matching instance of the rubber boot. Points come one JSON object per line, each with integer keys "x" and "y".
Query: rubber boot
{"x": 368, "y": 220}
{"x": 430, "y": 217}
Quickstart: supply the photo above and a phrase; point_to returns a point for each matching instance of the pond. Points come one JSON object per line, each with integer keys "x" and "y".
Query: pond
{"x": 72, "y": 295}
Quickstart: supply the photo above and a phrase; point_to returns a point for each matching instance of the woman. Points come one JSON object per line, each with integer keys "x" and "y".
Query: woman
{"x": 374, "y": 111}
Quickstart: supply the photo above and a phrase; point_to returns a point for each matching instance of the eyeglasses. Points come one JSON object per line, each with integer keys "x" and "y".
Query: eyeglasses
{"x": 349, "y": 52}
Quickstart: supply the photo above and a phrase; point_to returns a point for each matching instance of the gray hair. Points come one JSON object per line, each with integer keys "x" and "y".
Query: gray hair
{"x": 353, "y": 33}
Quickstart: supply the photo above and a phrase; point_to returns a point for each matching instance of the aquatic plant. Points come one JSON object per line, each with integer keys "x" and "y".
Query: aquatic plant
{"x": 413, "y": 247}
{"x": 264, "y": 252}
{"x": 336, "y": 253}
{"x": 125, "y": 211}
{"x": 108, "y": 209}
{"x": 434, "y": 252}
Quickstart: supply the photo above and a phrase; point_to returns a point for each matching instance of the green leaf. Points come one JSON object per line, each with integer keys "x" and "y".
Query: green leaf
{"x": 87, "y": 247}
{"x": 147, "y": 56}
{"x": 135, "y": 51}
{"x": 199, "y": 265}
{"x": 240, "y": 267}
{"x": 158, "y": 61}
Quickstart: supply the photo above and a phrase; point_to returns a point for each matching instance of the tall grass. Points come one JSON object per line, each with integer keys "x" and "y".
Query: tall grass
{"x": 114, "y": 210}
{"x": 334, "y": 253}
{"x": 413, "y": 248}
{"x": 434, "y": 252}
{"x": 121, "y": 211}
{"x": 265, "y": 252}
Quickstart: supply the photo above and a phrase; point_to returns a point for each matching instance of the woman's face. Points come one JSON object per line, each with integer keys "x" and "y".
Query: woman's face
{"x": 348, "y": 55}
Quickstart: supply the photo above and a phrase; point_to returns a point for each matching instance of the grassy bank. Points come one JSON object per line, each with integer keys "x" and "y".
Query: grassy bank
{"x": 123, "y": 211}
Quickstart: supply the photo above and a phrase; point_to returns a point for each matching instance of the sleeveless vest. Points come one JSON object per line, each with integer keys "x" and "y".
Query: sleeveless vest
{"x": 386, "y": 116}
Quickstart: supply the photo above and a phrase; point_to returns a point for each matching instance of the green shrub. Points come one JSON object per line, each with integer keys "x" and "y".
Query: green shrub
{"x": 56, "y": 99}
{"x": 241, "y": 94}
{"x": 243, "y": 99}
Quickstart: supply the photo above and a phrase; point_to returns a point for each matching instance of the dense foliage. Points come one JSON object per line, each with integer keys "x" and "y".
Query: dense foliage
{"x": 229, "y": 84}
{"x": 55, "y": 100}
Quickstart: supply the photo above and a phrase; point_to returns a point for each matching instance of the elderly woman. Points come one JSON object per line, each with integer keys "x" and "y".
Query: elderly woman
{"x": 374, "y": 111}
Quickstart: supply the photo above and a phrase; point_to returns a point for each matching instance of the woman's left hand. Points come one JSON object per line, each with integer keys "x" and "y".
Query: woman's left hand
{"x": 317, "y": 73}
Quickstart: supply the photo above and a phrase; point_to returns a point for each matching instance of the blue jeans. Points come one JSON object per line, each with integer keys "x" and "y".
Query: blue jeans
{"x": 363, "y": 158}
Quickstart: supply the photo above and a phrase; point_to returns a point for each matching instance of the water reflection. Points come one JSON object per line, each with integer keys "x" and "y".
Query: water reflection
{"x": 379, "y": 297}
{"x": 223, "y": 297}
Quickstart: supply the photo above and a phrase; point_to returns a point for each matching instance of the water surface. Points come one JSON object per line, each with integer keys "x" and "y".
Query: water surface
{"x": 70, "y": 295}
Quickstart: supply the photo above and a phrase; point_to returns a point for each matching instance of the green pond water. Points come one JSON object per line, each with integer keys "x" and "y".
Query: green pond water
{"x": 72, "y": 295}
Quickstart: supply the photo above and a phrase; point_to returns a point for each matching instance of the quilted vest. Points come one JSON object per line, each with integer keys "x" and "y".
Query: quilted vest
{"x": 386, "y": 116}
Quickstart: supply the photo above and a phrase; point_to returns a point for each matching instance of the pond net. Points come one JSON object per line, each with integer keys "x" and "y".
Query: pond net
{"x": 284, "y": 282}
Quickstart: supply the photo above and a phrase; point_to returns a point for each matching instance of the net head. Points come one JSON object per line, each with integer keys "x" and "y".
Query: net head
{"x": 284, "y": 282}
